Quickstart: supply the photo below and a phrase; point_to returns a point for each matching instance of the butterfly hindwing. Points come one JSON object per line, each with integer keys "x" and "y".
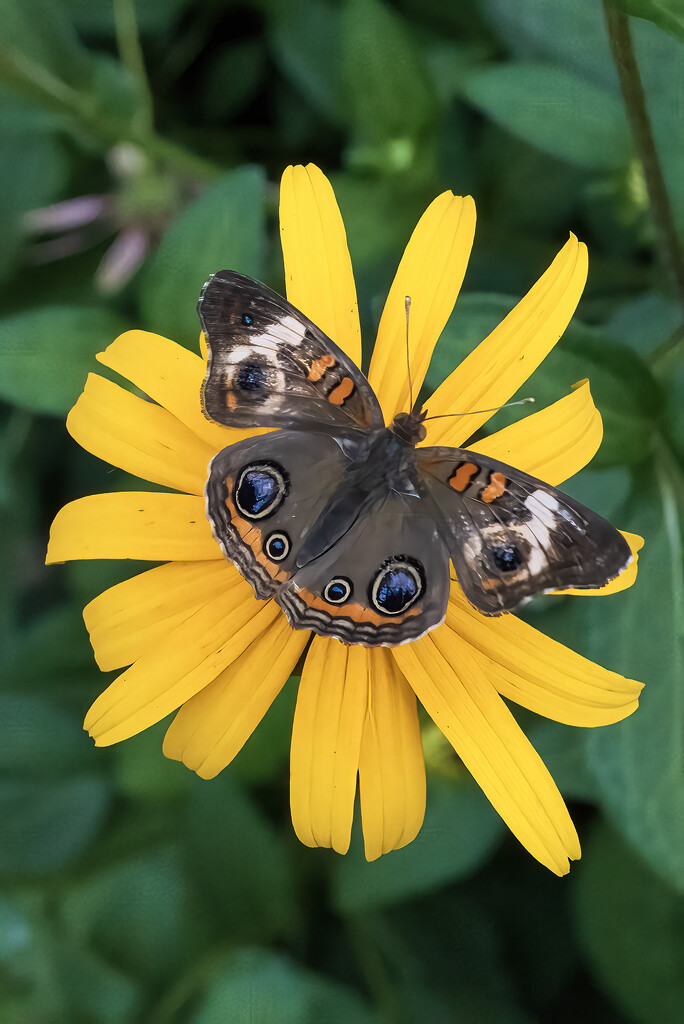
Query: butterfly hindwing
{"x": 269, "y": 366}
{"x": 385, "y": 581}
{"x": 511, "y": 536}
{"x": 262, "y": 496}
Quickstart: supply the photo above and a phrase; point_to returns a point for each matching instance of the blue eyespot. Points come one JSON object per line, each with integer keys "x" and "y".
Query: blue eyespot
{"x": 338, "y": 590}
{"x": 506, "y": 557}
{"x": 246, "y": 319}
{"x": 251, "y": 377}
{"x": 260, "y": 490}
{"x": 397, "y": 585}
{"x": 277, "y": 546}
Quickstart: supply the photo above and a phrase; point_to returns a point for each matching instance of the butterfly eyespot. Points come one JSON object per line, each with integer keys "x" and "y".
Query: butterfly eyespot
{"x": 277, "y": 546}
{"x": 246, "y": 319}
{"x": 338, "y": 590}
{"x": 260, "y": 489}
{"x": 506, "y": 557}
{"x": 397, "y": 585}
{"x": 251, "y": 376}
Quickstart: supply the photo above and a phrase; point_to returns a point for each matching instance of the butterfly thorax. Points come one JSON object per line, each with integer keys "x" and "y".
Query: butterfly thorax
{"x": 408, "y": 427}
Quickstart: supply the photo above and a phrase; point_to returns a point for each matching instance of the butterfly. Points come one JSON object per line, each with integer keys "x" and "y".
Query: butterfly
{"x": 346, "y": 522}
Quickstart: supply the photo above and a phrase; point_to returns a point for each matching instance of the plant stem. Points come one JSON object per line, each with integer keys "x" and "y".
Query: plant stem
{"x": 632, "y": 90}
{"x": 130, "y": 52}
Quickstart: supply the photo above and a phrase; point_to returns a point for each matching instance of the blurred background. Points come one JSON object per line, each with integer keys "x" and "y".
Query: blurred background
{"x": 142, "y": 146}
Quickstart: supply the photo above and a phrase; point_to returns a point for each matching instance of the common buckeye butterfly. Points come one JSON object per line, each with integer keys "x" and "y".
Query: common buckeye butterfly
{"x": 346, "y": 522}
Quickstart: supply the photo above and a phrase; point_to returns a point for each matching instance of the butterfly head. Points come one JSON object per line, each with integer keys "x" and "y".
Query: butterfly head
{"x": 408, "y": 427}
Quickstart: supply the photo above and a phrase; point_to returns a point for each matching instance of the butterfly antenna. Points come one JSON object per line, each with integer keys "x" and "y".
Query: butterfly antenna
{"x": 475, "y": 412}
{"x": 407, "y": 306}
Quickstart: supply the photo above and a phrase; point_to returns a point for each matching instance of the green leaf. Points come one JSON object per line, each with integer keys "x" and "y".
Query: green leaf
{"x": 45, "y": 354}
{"x": 662, "y": 71}
{"x": 255, "y": 986}
{"x": 140, "y": 913}
{"x": 666, "y": 14}
{"x": 554, "y": 111}
{"x": 572, "y": 34}
{"x": 238, "y": 861}
{"x": 47, "y": 824}
{"x": 223, "y": 229}
{"x": 305, "y": 43}
{"x": 233, "y": 79}
{"x": 38, "y": 738}
{"x": 32, "y": 173}
{"x": 389, "y": 94}
{"x": 631, "y": 926}
{"x": 459, "y": 833}
{"x": 38, "y": 32}
{"x": 563, "y": 751}
{"x": 644, "y": 322}
{"x": 638, "y": 762}
{"x": 640, "y": 633}
{"x": 90, "y": 989}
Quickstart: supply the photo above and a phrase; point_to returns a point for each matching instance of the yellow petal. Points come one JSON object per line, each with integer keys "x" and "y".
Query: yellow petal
{"x": 171, "y": 376}
{"x": 431, "y": 273}
{"x": 622, "y": 582}
{"x": 135, "y": 616}
{"x": 491, "y": 374}
{"x": 552, "y": 444}
{"x": 210, "y": 729}
{"x": 197, "y": 651}
{"x": 326, "y": 741}
{"x": 391, "y": 766}
{"x": 484, "y": 734}
{"x": 138, "y": 436}
{"x": 133, "y": 524}
{"x": 539, "y": 673}
{"x": 318, "y": 271}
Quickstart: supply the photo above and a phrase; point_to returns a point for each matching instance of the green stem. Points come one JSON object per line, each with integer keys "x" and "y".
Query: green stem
{"x": 632, "y": 90}
{"x": 130, "y": 52}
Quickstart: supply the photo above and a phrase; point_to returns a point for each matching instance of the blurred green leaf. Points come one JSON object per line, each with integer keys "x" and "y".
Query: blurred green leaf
{"x": 143, "y": 772}
{"x": 47, "y": 824}
{"x": 15, "y": 930}
{"x": 255, "y": 986}
{"x": 233, "y": 78}
{"x": 631, "y": 926}
{"x": 554, "y": 111}
{"x": 638, "y": 762}
{"x": 563, "y": 751}
{"x": 90, "y": 989}
{"x": 459, "y": 833}
{"x": 238, "y": 861}
{"x": 32, "y": 173}
{"x": 38, "y": 33}
{"x": 666, "y": 14}
{"x": 644, "y": 322}
{"x": 305, "y": 43}
{"x": 140, "y": 913}
{"x": 571, "y": 34}
{"x": 38, "y": 738}
{"x": 46, "y": 353}
{"x": 662, "y": 71}
{"x": 388, "y": 90}
{"x": 223, "y": 229}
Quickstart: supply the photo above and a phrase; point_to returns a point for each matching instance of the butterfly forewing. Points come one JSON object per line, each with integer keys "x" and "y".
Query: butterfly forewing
{"x": 269, "y": 366}
{"x": 510, "y": 535}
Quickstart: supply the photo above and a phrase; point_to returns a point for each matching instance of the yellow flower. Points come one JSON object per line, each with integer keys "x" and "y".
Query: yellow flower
{"x": 198, "y": 643}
